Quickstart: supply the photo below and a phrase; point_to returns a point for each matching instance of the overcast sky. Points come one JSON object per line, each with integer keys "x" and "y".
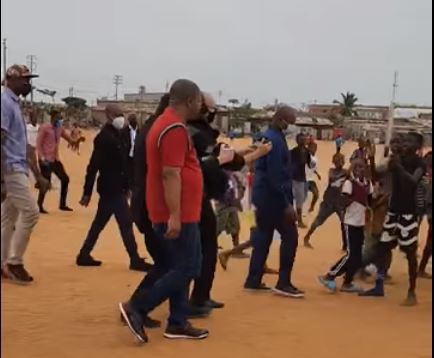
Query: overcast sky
{"x": 297, "y": 51}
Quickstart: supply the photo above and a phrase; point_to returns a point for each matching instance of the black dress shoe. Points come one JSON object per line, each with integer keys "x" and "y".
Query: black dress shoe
{"x": 195, "y": 312}
{"x": 43, "y": 211}
{"x": 214, "y": 304}
{"x": 140, "y": 265}
{"x": 87, "y": 261}
{"x": 65, "y": 208}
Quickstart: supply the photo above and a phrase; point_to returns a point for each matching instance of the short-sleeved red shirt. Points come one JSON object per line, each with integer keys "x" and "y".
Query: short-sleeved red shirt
{"x": 168, "y": 144}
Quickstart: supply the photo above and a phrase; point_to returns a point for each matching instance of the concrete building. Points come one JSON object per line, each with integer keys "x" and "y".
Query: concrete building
{"x": 333, "y": 110}
{"x": 142, "y": 104}
{"x": 143, "y": 96}
{"x": 141, "y": 109}
{"x": 376, "y": 130}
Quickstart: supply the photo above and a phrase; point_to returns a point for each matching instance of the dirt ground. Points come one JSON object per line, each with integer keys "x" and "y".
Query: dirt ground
{"x": 71, "y": 312}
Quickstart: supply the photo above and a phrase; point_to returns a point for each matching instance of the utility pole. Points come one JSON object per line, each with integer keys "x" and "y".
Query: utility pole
{"x": 31, "y": 61}
{"x": 117, "y": 81}
{"x": 5, "y": 50}
{"x": 391, "y": 120}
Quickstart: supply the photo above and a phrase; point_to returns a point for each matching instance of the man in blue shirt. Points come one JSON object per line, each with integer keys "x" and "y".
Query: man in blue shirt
{"x": 273, "y": 198}
{"x": 19, "y": 212}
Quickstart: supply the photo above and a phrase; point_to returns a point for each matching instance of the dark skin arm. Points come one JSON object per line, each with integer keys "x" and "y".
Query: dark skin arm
{"x": 347, "y": 200}
{"x": 396, "y": 165}
{"x": 3, "y": 187}
{"x": 92, "y": 170}
{"x": 66, "y": 136}
{"x": 172, "y": 196}
{"x": 32, "y": 160}
{"x": 411, "y": 178}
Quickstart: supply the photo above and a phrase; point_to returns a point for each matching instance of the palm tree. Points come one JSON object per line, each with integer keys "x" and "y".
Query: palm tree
{"x": 234, "y": 102}
{"x": 348, "y": 103}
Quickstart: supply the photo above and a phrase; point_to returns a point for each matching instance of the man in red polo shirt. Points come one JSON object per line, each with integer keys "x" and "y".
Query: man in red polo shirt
{"x": 173, "y": 196}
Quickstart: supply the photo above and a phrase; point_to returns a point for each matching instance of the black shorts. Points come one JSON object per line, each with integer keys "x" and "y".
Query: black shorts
{"x": 312, "y": 186}
{"x": 403, "y": 229}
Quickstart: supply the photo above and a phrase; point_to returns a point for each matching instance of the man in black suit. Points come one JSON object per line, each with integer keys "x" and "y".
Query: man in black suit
{"x": 109, "y": 160}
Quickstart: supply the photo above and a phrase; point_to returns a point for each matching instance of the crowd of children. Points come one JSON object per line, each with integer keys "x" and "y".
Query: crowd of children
{"x": 380, "y": 206}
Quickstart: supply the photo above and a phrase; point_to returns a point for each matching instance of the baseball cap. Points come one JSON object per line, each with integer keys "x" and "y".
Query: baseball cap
{"x": 19, "y": 71}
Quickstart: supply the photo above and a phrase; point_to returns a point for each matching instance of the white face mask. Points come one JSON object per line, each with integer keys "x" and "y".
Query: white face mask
{"x": 119, "y": 123}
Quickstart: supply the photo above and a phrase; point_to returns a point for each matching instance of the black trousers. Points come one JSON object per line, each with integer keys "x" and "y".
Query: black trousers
{"x": 352, "y": 261}
{"x": 47, "y": 169}
{"x": 262, "y": 237}
{"x": 130, "y": 167}
{"x": 208, "y": 234}
{"x": 108, "y": 206}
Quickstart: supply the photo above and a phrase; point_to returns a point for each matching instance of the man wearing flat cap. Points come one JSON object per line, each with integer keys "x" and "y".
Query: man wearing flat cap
{"x": 19, "y": 212}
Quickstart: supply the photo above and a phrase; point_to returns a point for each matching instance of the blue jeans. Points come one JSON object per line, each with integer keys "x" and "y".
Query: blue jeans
{"x": 155, "y": 248}
{"x": 262, "y": 238}
{"x": 181, "y": 264}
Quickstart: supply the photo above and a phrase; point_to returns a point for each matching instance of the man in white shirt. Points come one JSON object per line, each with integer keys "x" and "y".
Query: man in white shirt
{"x": 32, "y": 134}
{"x": 312, "y": 174}
{"x": 32, "y": 128}
{"x": 130, "y": 139}
{"x": 133, "y": 132}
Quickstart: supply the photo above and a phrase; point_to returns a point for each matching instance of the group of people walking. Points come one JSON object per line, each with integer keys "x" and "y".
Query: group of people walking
{"x": 165, "y": 178}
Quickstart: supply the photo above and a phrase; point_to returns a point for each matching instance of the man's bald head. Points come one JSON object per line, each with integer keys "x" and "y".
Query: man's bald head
{"x": 287, "y": 114}
{"x": 113, "y": 111}
{"x": 182, "y": 91}
{"x": 284, "y": 117}
{"x": 186, "y": 97}
{"x": 209, "y": 102}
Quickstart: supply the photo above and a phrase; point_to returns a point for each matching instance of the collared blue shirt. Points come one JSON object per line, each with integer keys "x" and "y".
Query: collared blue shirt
{"x": 272, "y": 187}
{"x": 14, "y": 149}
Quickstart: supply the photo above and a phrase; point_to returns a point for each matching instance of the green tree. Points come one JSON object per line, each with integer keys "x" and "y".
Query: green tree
{"x": 348, "y": 104}
{"x": 75, "y": 108}
{"x": 239, "y": 113}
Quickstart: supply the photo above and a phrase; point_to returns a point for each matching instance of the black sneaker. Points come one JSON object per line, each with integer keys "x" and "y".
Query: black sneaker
{"x": 66, "y": 208}
{"x": 18, "y": 274}
{"x": 214, "y": 304}
{"x": 195, "y": 312}
{"x": 140, "y": 265}
{"x": 148, "y": 322}
{"x": 261, "y": 288}
{"x": 187, "y": 332}
{"x": 134, "y": 322}
{"x": 289, "y": 291}
{"x": 4, "y": 274}
{"x": 43, "y": 211}
{"x": 87, "y": 261}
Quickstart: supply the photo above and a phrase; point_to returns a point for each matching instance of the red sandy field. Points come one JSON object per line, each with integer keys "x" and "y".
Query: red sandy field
{"x": 72, "y": 313}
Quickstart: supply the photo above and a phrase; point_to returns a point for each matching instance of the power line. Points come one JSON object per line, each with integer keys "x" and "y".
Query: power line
{"x": 5, "y": 50}
{"x": 31, "y": 61}
{"x": 391, "y": 121}
{"x": 117, "y": 81}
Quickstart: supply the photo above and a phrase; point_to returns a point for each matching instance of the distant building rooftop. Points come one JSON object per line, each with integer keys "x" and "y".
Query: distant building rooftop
{"x": 143, "y": 96}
